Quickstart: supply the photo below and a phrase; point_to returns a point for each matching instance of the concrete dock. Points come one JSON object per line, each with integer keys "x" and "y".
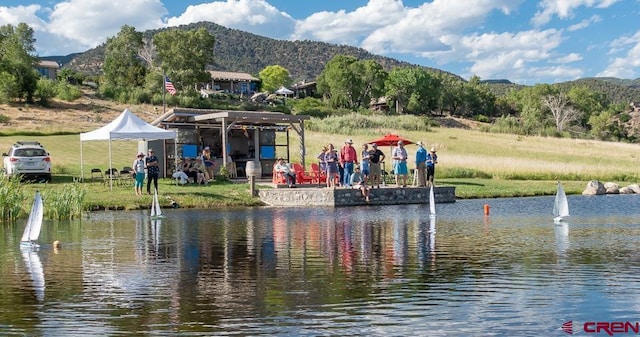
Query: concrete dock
{"x": 312, "y": 195}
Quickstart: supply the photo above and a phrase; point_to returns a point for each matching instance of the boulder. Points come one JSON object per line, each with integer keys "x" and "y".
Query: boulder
{"x": 594, "y": 187}
{"x": 626, "y": 190}
{"x": 635, "y": 188}
{"x": 611, "y": 188}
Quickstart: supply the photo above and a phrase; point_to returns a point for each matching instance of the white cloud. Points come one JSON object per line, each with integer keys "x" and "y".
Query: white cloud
{"x": 27, "y": 14}
{"x": 90, "y": 23}
{"x": 255, "y": 16}
{"x": 564, "y": 9}
{"x": 350, "y": 27}
{"x": 572, "y": 57}
{"x": 584, "y": 23}
{"x": 501, "y": 55}
{"x": 624, "y": 66}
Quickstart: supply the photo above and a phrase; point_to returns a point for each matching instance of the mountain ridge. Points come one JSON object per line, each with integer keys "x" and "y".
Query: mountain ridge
{"x": 239, "y": 51}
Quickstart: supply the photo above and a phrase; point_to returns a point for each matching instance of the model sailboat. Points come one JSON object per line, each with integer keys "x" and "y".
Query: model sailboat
{"x": 561, "y": 205}
{"x": 34, "y": 223}
{"x": 432, "y": 203}
{"x": 156, "y": 211}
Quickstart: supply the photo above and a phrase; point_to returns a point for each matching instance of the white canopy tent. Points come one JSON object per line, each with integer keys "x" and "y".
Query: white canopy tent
{"x": 127, "y": 126}
{"x": 284, "y": 91}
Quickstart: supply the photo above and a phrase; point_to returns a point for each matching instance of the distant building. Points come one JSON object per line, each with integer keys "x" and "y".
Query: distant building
{"x": 231, "y": 82}
{"x": 304, "y": 89}
{"x": 48, "y": 69}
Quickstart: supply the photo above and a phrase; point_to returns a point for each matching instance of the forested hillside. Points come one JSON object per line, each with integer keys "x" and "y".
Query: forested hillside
{"x": 239, "y": 51}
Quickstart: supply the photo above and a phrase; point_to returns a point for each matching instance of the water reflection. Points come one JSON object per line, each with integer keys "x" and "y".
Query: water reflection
{"x": 34, "y": 268}
{"x": 325, "y": 271}
{"x": 562, "y": 238}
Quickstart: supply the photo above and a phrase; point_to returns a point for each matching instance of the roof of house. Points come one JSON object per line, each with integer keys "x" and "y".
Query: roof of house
{"x": 191, "y": 116}
{"x": 48, "y": 64}
{"x": 303, "y": 85}
{"x": 231, "y": 76}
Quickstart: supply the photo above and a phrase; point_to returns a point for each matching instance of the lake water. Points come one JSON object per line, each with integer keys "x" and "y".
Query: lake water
{"x": 375, "y": 271}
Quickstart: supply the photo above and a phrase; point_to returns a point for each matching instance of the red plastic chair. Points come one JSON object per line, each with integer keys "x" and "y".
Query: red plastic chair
{"x": 319, "y": 177}
{"x": 301, "y": 176}
{"x": 278, "y": 178}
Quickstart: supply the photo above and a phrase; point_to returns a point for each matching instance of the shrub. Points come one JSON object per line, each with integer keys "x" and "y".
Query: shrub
{"x": 67, "y": 91}
{"x": 45, "y": 89}
{"x": 370, "y": 125}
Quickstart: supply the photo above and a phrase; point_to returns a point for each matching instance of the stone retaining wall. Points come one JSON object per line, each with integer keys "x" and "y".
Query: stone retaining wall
{"x": 350, "y": 197}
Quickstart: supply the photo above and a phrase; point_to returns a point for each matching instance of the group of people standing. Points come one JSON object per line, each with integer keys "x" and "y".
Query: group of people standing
{"x": 150, "y": 164}
{"x": 348, "y": 169}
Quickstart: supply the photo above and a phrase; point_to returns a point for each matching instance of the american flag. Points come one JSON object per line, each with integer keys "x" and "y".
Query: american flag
{"x": 169, "y": 86}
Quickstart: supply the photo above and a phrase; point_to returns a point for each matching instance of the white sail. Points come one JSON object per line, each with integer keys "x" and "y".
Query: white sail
{"x": 561, "y": 205}
{"x": 432, "y": 202}
{"x": 156, "y": 211}
{"x": 34, "y": 223}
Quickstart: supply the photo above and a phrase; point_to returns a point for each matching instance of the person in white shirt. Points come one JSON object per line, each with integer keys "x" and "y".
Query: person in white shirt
{"x": 284, "y": 168}
{"x": 138, "y": 169}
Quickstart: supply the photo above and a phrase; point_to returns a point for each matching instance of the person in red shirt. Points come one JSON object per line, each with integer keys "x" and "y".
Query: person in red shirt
{"x": 348, "y": 158}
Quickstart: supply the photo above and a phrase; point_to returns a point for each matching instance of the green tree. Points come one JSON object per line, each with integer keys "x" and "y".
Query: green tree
{"x": 605, "y": 125}
{"x": 451, "y": 94}
{"x": 337, "y": 80}
{"x": 477, "y": 99}
{"x": 184, "y": 55}
{"x": 414, "y": 89}
{"x": 122, "y": 67}
{"x": 273, "y": 77}
{"x": 372, "y": 77}
{"x": 587, "y": 101}
{"x": 534, "y": 117}
{"x": 17, "y": 63}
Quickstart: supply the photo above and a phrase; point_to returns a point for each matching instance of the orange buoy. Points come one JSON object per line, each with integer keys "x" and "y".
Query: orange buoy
{"x": 486, "y": 209}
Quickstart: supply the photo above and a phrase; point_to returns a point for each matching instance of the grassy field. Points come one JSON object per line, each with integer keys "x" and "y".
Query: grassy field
{"x": 461, "y": 154}
{"x": 471, "y": 153}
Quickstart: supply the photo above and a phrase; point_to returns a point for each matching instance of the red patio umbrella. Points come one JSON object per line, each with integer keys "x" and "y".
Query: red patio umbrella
{"x": 390, "y": 140}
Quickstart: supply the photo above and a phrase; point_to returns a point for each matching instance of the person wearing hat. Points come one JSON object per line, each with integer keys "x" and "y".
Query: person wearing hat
{"x": 399, "y": 156}
{"x": 138, "y": 171}
{"x": 153, "y": 169}
{"x": 421, "y": 164}
{"x": 348, "y": 158}
{"x": 432, "y": 160}
{"x": 376, "y": 156}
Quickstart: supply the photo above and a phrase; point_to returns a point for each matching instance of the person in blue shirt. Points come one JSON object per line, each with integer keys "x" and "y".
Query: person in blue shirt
{"x": 421, "y": 164}
{"x": 432, "y": 160}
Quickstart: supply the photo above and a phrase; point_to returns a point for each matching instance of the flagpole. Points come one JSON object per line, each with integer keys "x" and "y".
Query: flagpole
{"x": 164, "y": 92}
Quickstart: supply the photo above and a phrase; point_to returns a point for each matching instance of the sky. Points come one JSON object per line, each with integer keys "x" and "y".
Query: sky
{"x": 527, "y": 42}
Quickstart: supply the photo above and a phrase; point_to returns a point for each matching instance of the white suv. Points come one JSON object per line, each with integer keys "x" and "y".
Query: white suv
{"x": 28, "y": 159}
